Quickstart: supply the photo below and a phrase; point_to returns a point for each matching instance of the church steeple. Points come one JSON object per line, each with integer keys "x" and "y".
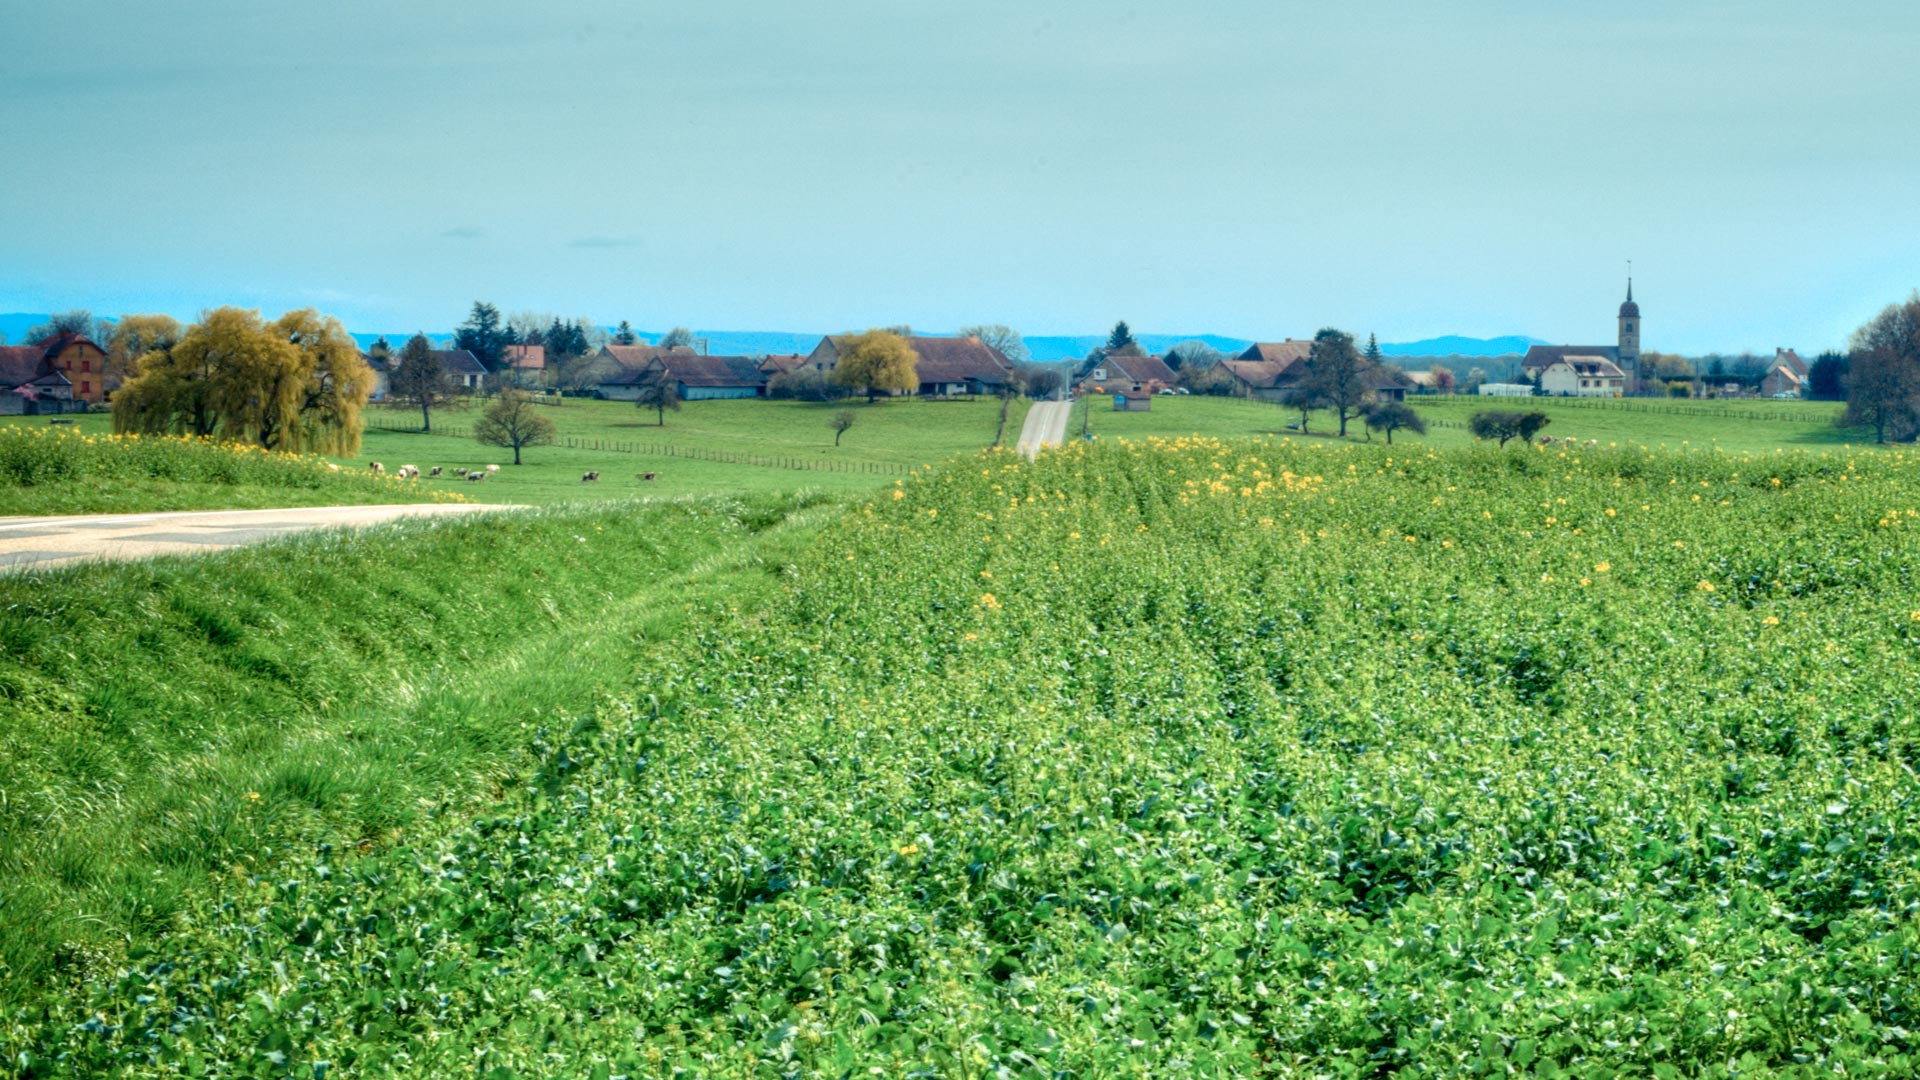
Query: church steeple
{"x": 1630, "y": 336}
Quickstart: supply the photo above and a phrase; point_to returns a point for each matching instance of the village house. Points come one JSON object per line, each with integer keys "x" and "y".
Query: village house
{"x": 526, "y": 359}
{"x": 1786, "y": 376}
{"x": 52, "y": 374}
{"x": 381, "y": 365}
{"x": 1583, "y": 376}
{"x": 1119, "y": 374}
{"x": 946, "y": 365}
{"x": 781, "y": 363}
{"x": 463, "y": 369}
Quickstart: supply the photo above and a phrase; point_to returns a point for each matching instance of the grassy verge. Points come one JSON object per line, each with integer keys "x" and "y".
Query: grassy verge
{"x": 86, "y": 470}
{"x": 175, "y": 722}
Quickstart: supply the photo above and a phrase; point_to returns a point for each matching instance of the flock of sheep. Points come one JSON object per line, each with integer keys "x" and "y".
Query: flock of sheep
{"x": 412, "y": 472}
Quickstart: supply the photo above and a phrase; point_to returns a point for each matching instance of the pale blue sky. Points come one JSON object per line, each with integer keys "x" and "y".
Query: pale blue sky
{"x": 1256, "y": 169}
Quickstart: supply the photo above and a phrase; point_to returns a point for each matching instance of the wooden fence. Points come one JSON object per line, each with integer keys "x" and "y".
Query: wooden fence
{"x": 690, "y": 453}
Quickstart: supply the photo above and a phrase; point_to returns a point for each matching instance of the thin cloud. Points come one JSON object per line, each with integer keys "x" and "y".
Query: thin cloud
{"x": 604, "y": 242}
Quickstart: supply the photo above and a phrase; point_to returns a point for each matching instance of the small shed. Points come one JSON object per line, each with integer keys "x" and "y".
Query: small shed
{"x": 1132, "y": 402}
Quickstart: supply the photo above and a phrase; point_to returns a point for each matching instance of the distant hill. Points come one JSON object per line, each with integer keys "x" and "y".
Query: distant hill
{"x": 1454, "y": 345}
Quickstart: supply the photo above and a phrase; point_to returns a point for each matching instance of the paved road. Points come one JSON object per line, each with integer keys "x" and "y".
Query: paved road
{"x": 1046, "y": 426}
{"x": 40, "y": 542}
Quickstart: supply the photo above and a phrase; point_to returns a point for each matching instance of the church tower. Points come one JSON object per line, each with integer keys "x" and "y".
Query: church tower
{"x": 1630, "y": 341}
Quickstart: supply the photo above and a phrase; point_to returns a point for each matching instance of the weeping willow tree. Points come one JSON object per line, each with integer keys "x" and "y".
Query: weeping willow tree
{"x": 296, "y": 384}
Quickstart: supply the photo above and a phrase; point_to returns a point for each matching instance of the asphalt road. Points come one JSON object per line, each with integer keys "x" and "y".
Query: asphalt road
{"x": 41, "y": 542}
{"x": 1046, "y": 426}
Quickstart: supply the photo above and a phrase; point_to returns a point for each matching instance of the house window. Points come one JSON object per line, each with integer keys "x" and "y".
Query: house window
{"x": 86, "y": 365}
{"x": 1100, "y": 373}
{"x": 86, "y": 387}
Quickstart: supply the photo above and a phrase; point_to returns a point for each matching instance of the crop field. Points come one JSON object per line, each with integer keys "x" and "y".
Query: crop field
{"x": 1740, "y": 426}
{"x": 1173, "y": 758}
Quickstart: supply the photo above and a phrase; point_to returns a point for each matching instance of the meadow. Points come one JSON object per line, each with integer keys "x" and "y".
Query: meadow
{"x": 1193, "y": 757}
{"x": 172, "y": 722}
{"x": 1742, "y": 425}
{"x": 88, "y": 470}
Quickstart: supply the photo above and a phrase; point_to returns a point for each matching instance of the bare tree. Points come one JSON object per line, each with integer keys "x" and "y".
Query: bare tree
{"x": 842, "y": 420}
{"x": 659, "y": 394}
{"x": 512, "y": 422}
{"x": 1004, "y": 338}
{"x": 419, "y": 378}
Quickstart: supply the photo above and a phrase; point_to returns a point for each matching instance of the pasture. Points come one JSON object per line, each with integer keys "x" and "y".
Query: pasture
{"x": 1196, "y": 757}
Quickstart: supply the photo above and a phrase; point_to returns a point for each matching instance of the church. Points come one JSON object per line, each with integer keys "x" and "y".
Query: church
{"x": 1591, "y": 370}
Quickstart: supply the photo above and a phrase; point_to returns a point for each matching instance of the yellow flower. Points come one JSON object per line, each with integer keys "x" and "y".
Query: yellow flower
{"x": 1547, "y": 578}
{"x": 898, "y": 494}
{"x": 910, "y": 849}
{"x": 1705, "y": 585}
{"x": 988, "y": 574}
{"x": 1602, "y": 567}
{"x": 1585, "y": 581}
{"x": 987, "y": 601}
{"x": 1611, "y": 512}
{"x": 1771, "y": 620}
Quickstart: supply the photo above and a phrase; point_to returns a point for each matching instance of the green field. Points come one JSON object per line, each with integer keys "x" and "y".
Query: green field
{"x": 1756, "y": 426}
{"x": 174, "y": 722}
{"x": 733, "y": 447}
{"x": 1253, "y": 758}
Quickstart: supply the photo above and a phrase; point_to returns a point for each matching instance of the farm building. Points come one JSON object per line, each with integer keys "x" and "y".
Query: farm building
{"x": 526, "y": 359}
{"x": 1268, "y": 369}
{"x": 1132, "y": 401}
{"x": 1113, "y": 374}
{"x": 1624, "y": 355}
{"x": 695, "y": 377}
{"x": 946, "y": 365}
{"x": 1501, "y": 389}
{"x": 463, "y": 368}
{"x": 381, "y": 365}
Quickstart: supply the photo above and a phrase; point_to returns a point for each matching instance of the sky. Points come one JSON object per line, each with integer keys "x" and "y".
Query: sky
{"x": 1257, "y": 169}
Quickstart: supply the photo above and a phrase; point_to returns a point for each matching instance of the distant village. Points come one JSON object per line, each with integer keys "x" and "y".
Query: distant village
{"x": 79, "y": 363}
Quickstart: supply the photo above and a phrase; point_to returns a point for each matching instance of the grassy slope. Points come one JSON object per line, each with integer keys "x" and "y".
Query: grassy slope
{"x": 1695, "y": 425}
{"x": 892, "y": 434}
{"x": 174, "y": 719}
{"x": 1214, "y": 760}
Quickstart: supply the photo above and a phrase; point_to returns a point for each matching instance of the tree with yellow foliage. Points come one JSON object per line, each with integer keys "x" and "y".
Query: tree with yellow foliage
{"x": 296, "y": 384}
{"x": 878, "y": 362}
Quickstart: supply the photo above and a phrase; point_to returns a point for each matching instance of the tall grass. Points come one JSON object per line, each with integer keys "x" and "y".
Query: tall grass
{"x": 47, "y": 470}
{"x": 172, "y": 723}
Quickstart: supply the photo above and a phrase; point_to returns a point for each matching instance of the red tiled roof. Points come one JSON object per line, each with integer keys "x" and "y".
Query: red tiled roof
{"x": 526, "y": 357}
{"x": 1144, "y": 369}
{"x": 693, "y": 369}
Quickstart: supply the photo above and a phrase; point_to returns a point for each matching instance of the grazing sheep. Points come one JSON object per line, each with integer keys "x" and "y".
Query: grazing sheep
{"x": 493, "y": 468}
{"x": 589, "y": 478}
{"x": 476, "y": 477}
{"x": 648, "y": 475}
{"x": 461, "y": 473}
{"x": 409, "y": 472}
{"x": 435, "y": 471}
{"x": 376, "y": 467}
{"x": 331, "y": 467}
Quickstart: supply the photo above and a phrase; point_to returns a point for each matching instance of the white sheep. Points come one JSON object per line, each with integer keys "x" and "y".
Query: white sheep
{"x": 376, "y": 468}
{"x": 493, "y": 468}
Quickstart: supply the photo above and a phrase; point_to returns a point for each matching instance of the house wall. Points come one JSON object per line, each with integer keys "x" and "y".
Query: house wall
{"x": 619, "y": 393}
{"x": 823, "y": 359}
{"x": 85, "y": 366}
{"x": 1561, "y": 380}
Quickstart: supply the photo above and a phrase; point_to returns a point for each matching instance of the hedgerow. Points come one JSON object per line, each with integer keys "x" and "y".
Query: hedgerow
{"x": 1182, "y": 758}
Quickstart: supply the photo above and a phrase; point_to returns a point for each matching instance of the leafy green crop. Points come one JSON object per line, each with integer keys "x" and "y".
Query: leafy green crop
{"x": 1180, "y": 758}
